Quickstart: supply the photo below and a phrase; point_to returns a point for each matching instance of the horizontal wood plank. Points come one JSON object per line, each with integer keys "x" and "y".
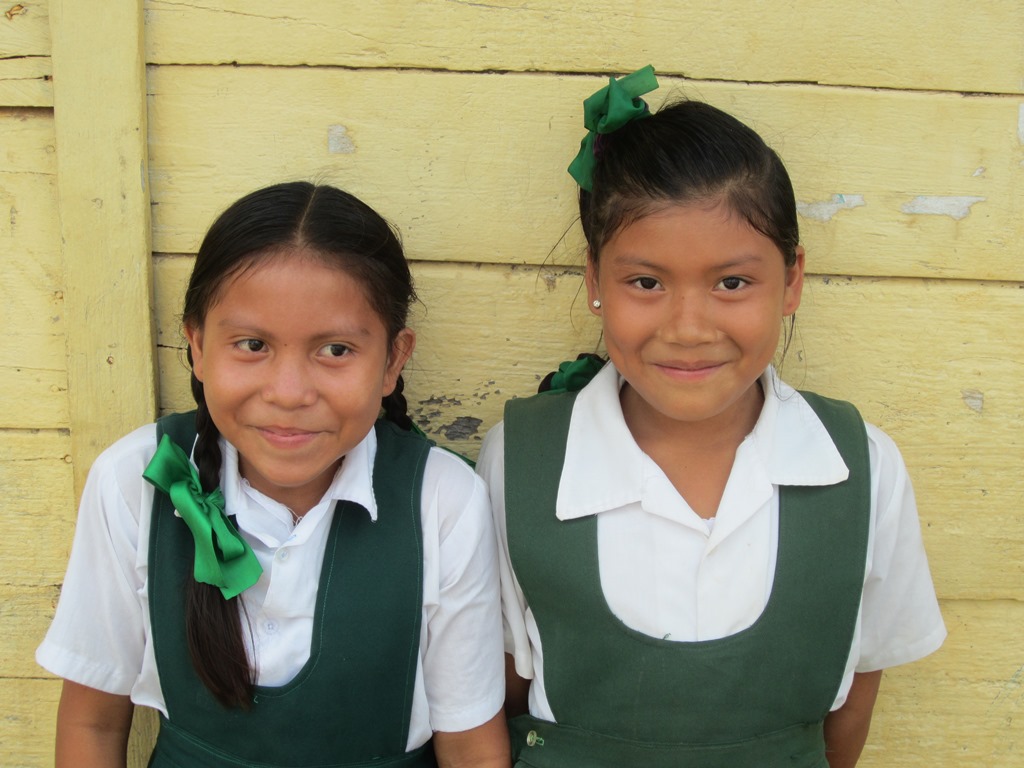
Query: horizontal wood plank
{"x": 962, "y": 705}
{"x": 26, "y": 613}
{"x": 489, "y": 333}
{"x": 920, "y": 45}
{"x": 24, "y": 28}
{"x": 36, "y": 477}
{"x": 33, "y": 358}
{"x": 472, "y": 167}
{"x": 26, "y": 82}
{"x": 29, "y": 723}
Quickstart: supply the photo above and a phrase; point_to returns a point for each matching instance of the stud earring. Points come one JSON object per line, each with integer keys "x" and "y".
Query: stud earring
{"x": 596, "y": 303}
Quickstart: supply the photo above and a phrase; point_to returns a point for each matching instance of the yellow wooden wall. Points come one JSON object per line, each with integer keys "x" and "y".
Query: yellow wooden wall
{"x": 902, "y": 125}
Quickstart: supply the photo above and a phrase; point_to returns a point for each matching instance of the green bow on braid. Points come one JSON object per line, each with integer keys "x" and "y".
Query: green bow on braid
{"x": 573, "y": 375}
{"x": 223, "y": 558}
{"x": 610, "y": 108}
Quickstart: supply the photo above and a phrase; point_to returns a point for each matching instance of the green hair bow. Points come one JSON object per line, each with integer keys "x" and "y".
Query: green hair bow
{"x": 610, "y": 108}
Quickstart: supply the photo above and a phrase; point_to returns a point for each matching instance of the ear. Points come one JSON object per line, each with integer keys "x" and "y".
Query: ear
{"x": 194, "y": 336}
{"x": 401, "y": 351}
{"x": 794, "y": 284}
{"x": 591, "y": 278}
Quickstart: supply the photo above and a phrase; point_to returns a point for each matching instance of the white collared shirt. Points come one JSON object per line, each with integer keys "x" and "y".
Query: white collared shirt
{"x": 101, "y": 635}
{"x": 668, "y": 573}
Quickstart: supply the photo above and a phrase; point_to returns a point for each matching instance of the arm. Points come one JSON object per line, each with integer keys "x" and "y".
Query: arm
{"x": 517, "y": 689}
{"x": 92, "y": 728}
{"x": 485, "y": 746}
{"x": 846, "y": 729}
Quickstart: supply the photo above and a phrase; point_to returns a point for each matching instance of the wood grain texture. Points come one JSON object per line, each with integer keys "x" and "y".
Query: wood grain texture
{"x": 36, "y": 477}
{"x": 104, "y": 221}
{"x": 29, "y": 722}
{"x": 472, "y": 167}
{"x": 33, "y": 358}
{"x": 962, "y": 705}
{"x": 24, "y": 28}
{"x": 917, "y": 45}
{"x": 26, "y": 613}
{"x": 26, "y": 82}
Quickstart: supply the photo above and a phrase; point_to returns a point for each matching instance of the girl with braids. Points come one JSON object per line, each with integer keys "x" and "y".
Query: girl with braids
{"x": 702, "y": 567}
{"x": 288, "y": 578}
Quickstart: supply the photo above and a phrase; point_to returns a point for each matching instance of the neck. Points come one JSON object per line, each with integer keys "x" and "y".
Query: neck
{"x": 724, "y": 431}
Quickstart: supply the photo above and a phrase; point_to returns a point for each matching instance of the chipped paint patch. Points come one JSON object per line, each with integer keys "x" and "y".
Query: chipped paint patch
{"x": 980, "y": 171}
{"x": 338, "y": 140}
{"x": 462, "y": 428}
{"x": 955, "y": 206}
{"x": 824, "y": 210}
{"x": 974, "y": 399}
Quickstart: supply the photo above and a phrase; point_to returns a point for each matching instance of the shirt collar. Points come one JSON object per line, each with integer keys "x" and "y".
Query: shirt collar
{"x": 353, "y": 482}
{"x": 603, "y": 466}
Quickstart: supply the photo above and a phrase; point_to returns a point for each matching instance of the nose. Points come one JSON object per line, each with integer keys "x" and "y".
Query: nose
{"x": 289, "y": 383}
{"x": 689, "y": 319}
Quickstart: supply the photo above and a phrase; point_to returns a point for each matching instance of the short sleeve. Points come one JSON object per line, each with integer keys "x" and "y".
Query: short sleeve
{"x": 901, "y": 621}
{"x": 463, "y": 666}
{"x": 97, "y": 637}
{"x": 491, "y": 466}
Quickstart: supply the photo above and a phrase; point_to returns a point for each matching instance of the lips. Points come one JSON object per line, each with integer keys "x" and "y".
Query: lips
{"x": 682, "y": 365}
{"x": 688, "y": 370}
{"x": 286, "y": 437}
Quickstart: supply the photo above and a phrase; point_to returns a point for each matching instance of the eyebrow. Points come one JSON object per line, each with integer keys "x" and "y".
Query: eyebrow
{"x": 739, "y": 261}
{"x": 244, "y": 325}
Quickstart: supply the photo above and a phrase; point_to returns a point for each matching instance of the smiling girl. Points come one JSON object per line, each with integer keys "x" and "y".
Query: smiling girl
{"x": 288, "y": 578}
{"x": 702, "y": 567}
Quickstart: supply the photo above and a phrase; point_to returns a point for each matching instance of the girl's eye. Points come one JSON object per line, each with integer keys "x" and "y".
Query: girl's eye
{"x": 334, "y": 350}
{"x": 251, "y": 345}
{"x": 645, "y": 283}
{"x": 731, "y": 283}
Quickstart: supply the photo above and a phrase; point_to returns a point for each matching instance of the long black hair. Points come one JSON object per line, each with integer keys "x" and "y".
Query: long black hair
{"x": 342, "y": 231}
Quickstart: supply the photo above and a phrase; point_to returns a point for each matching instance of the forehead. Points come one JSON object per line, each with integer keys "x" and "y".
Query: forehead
{"x": 293, "y": 284}
{"x": 707, "y": 224}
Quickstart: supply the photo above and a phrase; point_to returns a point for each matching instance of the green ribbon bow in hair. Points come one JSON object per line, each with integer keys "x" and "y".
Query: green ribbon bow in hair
{"x": 610, "y": 108}
{"x": 223, "y": 558}
{"x": 573, "y": 375}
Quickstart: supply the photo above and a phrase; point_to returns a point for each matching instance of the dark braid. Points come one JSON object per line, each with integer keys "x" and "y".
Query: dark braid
{"x": 212, "y": 624}
{"x": 396, "y": 409}
{"x": 347, "y": 235}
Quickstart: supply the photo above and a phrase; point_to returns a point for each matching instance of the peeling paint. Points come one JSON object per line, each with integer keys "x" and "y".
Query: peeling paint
{"x": 338, "y": 140}
{"x": 824, "y": 210}
{"x": 15, "y": 10}
{"x": 974, "y": 399}
{"x": 979, "y": 171}
{"x": 955, "y": 206}
{"x": 462, "y": 428}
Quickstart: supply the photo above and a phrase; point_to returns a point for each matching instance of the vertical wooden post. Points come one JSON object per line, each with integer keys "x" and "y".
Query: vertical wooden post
{"x": 99, "y": 85}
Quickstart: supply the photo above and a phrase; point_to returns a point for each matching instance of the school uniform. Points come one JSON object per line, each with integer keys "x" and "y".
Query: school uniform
{"x": 665, "y": 574}
{"x": 103, "y": 633}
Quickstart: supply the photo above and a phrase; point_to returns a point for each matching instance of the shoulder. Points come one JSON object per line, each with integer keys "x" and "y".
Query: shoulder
{"x": 451, "y": 484}
{"x": 118, "y": 469}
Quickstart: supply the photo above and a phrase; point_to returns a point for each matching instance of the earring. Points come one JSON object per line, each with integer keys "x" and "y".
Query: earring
{"x": 596, "y": 303}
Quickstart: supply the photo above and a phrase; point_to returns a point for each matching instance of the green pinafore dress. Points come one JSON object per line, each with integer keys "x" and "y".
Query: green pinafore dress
{"x": 755, "y": 699}
{"x": 350, "y": 704}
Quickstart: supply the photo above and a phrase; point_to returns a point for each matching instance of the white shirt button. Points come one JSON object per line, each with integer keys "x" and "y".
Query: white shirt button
{"x": 282, "y": 555}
